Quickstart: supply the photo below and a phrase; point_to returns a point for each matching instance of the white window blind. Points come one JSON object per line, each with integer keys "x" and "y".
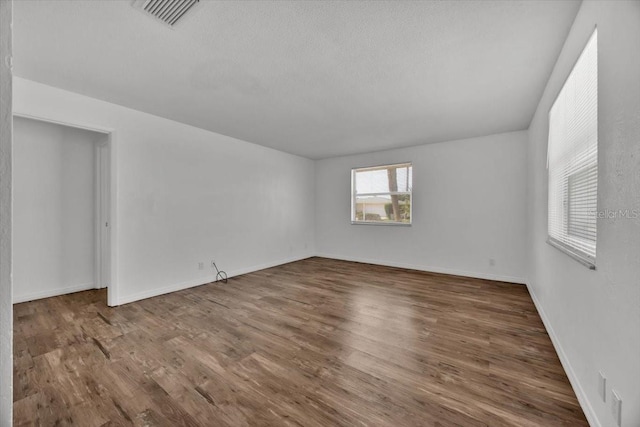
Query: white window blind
{"x": 573, "y": 159}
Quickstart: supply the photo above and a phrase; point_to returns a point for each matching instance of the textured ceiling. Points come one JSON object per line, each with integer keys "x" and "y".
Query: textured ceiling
{"x": 318, "y": 79}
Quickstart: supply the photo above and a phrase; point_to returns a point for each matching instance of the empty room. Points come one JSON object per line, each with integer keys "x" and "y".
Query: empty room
{"x": 320, "y": 213}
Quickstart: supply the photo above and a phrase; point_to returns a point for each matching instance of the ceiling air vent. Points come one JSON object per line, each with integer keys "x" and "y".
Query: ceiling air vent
{"x": 167, "y": 11}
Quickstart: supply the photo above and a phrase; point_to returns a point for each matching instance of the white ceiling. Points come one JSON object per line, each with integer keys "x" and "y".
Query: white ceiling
{"x": 318, "y": 79}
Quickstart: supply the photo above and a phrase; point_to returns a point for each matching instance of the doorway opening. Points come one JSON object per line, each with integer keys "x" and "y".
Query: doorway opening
{"x": 62, "y": 234}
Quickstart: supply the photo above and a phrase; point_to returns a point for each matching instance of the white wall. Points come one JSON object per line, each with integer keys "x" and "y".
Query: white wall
{"x": 54, "y": 209}
{"x": 594, "y": 316}
{"x": 6, "y": 308}
{"x": 469, "y": 205}
{"x": 186, "y": 195}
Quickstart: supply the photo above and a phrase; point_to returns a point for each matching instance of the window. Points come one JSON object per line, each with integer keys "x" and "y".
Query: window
{"x": 573, "y": 160}
{"x": 381, "y": 194}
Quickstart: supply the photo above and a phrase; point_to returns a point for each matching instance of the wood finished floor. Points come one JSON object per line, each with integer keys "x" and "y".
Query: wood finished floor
{"x": 313, "y": 343}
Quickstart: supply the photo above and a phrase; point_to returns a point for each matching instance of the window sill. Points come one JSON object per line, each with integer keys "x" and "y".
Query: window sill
{"x": 573, "y": 254}
{"x": 395, "y": 224}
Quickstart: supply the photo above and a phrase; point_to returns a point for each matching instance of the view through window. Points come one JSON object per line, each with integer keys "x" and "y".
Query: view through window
{"x": 382, "y": 194}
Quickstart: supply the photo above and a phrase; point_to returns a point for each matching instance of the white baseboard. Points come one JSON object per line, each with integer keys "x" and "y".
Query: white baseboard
{"x": 264, "y": 266}
{"x": 592, "y": 418}
{"x": 51, "y": 292}
{"x": 452, "y": 271}
{"x": 204, "y": 280}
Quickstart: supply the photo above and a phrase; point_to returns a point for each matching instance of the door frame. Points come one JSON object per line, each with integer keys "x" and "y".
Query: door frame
{"x": 101, "y": 161}
{"x": 106, "y": 205}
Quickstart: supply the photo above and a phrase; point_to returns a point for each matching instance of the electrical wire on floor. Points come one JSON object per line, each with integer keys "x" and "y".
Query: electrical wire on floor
{"x": 221, "y": 275}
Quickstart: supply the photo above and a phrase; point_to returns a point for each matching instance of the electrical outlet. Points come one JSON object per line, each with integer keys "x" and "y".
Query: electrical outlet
{"x": 201, "y": 266}
{"x": 492, "y": 262}
{"x": 616, "y": 407}
{"x": 602, "y": 386}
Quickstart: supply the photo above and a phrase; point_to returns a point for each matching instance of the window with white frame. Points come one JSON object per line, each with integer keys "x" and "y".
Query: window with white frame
{"x": 573, "y": 160}
{"x": 381, "y": 194}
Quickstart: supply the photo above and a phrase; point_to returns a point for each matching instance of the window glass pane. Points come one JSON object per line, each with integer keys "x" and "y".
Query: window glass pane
{"x": 387, "y": 208}
{"x": 384, "y": 179}
{"x": 382, "y": 194}
{"x": 403, "y": 178}
{"x": 372, "y": 181}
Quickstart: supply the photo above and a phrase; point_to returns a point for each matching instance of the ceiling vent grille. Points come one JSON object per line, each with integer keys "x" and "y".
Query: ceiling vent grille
{"x": 167, "y": 11}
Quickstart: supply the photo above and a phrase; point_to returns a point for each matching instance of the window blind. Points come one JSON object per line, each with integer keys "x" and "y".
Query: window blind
{"x": 573, "y": 158}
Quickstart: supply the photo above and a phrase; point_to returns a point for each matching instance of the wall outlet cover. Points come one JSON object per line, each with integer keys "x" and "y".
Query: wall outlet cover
{"x": 616, "y": 407}
{"x": 602, "y": 386}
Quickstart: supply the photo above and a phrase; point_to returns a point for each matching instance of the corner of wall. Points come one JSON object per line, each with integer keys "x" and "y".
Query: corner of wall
{"x": 6, "y": 306}
{"x": 583, "y": 399}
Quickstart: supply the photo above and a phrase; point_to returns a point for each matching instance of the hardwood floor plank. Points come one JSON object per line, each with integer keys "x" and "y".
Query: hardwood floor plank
{"x": 317, "y": 342}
